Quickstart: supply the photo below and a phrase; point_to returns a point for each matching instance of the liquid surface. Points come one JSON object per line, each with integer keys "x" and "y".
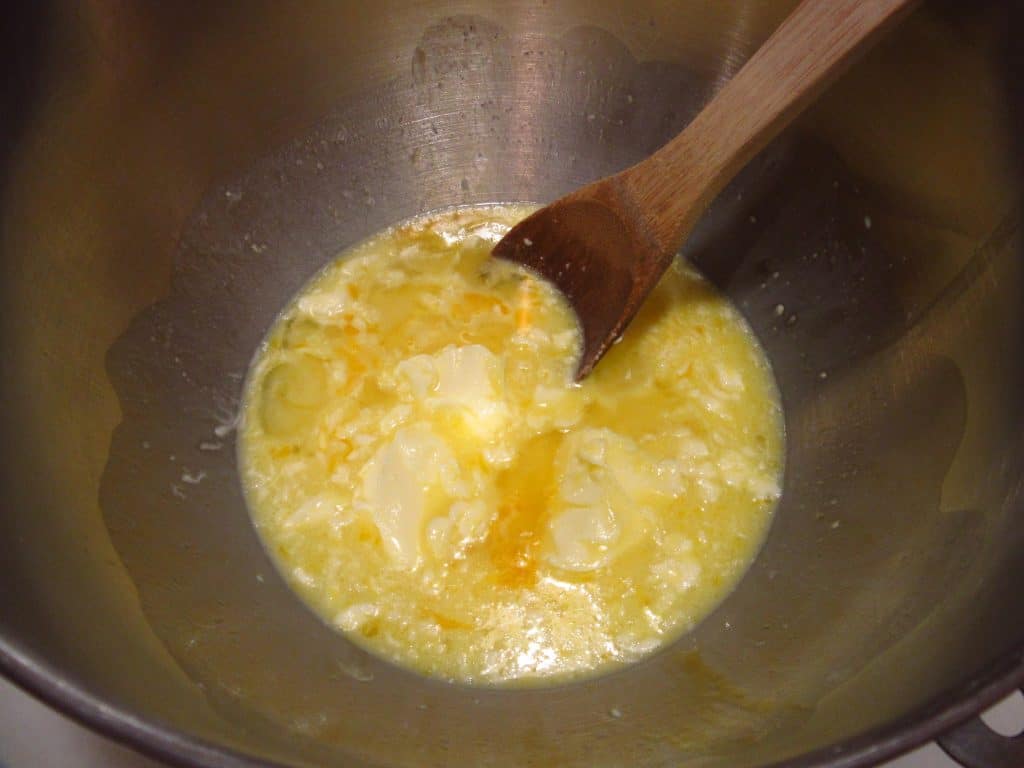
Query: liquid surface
{"x": 420, "y": 464}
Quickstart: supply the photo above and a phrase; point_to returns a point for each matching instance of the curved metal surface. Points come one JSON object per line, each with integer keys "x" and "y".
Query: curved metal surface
{"x": 182, "y": 170}
{"x": 974, "y": 745}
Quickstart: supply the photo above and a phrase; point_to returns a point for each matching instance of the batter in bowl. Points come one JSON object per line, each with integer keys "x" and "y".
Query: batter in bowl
{"x": 427, "y": 475}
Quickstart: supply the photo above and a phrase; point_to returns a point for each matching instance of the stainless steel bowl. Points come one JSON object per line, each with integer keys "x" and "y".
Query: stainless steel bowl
{"x": 172, "y": 173}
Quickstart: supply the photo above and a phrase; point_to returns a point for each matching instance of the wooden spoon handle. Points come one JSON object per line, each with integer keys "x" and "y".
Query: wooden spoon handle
{"x": 812, "y": 46}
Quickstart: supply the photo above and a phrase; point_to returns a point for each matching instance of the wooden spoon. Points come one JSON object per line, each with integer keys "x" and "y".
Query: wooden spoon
{"x": 606, "y": 245}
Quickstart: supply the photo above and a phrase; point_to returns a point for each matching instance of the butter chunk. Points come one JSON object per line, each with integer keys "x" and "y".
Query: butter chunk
{"x": 408, "y": 478}
{"x": 583, "y": 537}
{"x": 462, "y": 377}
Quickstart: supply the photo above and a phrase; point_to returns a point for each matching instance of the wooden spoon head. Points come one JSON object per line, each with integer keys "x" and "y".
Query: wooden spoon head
{"x": 596, "y": 256}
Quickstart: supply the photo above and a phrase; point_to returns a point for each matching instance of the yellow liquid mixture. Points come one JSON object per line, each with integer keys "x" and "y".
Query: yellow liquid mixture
{"x": 428, "y": 477}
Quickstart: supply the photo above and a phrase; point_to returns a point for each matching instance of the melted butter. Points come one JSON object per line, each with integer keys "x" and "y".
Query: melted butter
{"x": 526, "y": 491}
{"x": 429, "y": 478}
